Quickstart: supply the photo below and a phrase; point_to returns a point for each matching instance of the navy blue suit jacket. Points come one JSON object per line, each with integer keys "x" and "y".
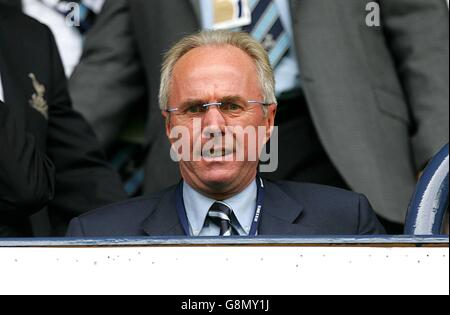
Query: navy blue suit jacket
{"x": 290, "y": 209}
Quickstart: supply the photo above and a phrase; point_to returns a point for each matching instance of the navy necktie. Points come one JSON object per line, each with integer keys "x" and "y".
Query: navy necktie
{"x": 220, "y": 214}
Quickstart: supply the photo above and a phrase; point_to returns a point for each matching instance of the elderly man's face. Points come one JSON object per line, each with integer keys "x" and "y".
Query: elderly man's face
{"x": 212, "y": 75}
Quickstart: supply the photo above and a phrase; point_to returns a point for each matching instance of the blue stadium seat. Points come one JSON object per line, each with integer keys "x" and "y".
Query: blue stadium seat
{"x": 426, "y": 213}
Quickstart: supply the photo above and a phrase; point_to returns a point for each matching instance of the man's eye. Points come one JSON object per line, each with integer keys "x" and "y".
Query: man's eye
{"x": 232, "y": 107}
{"x": 195, "y": 109}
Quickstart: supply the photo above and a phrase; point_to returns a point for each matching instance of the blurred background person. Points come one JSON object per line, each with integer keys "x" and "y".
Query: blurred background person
{"x": 55, "y": 14}
{"x": 52, "y": 167}
{"x": 361, "y": 105}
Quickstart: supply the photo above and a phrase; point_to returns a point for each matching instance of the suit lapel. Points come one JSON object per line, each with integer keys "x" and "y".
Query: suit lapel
{"x": 164, "y": 220}
{"x": 293, "y": 5}
{"x": 17, "y": 87}
{"x": 282, "y": 214}
{"x": 197, "y": 8}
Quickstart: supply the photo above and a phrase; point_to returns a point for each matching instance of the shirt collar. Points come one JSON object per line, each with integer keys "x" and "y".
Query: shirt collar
{"x": 198, "y": 205}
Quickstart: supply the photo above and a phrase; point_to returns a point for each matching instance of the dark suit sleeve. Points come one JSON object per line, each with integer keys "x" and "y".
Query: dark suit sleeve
{"x": 368, "y": 223}
{"x": 84, "y": 180}
{"x": 26, "y": 174}
{"x": 418, "y": 36}
{"x": 111, "y": 63}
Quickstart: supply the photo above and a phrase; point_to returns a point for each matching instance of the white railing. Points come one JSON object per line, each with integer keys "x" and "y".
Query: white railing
{"x": 264, "y": 266}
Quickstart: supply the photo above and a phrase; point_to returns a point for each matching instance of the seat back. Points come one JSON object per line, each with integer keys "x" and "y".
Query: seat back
{"x": 426, "y": 213}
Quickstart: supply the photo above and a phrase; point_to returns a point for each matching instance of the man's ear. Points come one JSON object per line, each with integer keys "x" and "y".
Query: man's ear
{"x": 270, "y": 120}
{"x": 167, "y": 119}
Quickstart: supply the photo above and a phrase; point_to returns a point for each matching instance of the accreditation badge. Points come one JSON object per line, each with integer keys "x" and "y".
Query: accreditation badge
{"x": 230, "y": 14}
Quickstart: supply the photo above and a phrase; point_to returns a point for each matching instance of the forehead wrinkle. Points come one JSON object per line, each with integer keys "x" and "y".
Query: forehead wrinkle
{"x": 207, "y": 66}
{"x": 210, "y": 92}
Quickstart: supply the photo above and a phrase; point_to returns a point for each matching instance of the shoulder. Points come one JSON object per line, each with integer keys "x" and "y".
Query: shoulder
{"x": 123, "y": 218}
{"x": 329, "y": 210}
{"x": 313, "y": 193}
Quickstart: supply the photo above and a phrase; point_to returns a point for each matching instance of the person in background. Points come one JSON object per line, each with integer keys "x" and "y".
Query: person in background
{"x": 52, "y": 167}
{"x": 362, "y": 105}
{"x": 56, "y": 14}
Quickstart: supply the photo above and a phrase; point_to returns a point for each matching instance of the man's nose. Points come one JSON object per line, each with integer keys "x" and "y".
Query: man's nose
{"x": 213, "y": 121}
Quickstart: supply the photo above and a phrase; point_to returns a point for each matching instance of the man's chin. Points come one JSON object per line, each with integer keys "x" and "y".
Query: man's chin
{"x": 219, "y": 179}
{"x": 216, "y": 177}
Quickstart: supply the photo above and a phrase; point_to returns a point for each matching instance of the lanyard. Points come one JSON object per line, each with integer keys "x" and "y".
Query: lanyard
{"x": 182, "y": 214}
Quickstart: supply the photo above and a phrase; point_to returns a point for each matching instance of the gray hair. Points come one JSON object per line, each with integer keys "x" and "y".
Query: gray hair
{"x": 242, "y": 41}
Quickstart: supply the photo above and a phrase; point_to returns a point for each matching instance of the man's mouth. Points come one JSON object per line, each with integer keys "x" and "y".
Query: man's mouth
{"x": 217, "y": 153}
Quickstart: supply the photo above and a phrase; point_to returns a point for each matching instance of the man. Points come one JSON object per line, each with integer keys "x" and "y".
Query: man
{"x": 375, "y": 104}
{"x": 49, "y": 155}
{"x": 221, "y": 81}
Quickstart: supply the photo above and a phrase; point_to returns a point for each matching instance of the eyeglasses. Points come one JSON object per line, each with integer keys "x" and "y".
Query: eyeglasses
{"x": 229, "y": 108}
